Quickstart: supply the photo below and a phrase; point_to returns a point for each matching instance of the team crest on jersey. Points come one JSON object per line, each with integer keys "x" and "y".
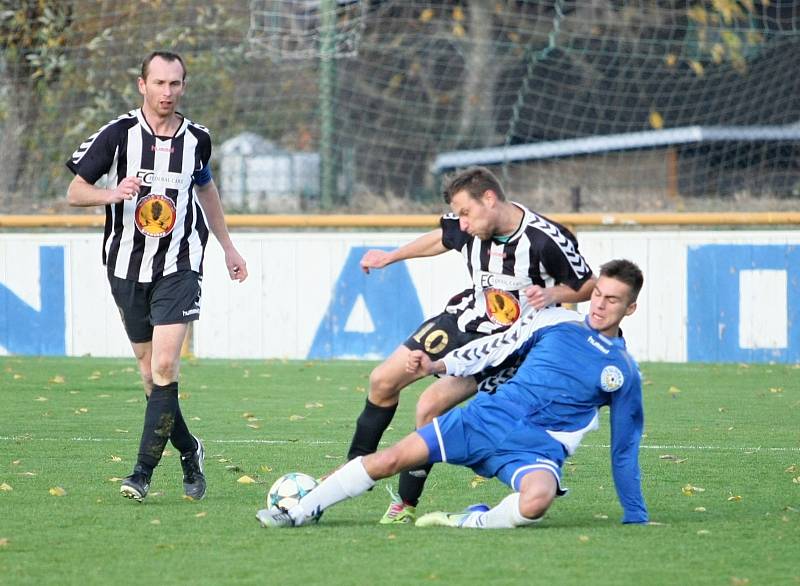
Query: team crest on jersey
{"x": 611, "y": 379}
{"x": 155, "y": 215}
{"x": 501, "y": 307}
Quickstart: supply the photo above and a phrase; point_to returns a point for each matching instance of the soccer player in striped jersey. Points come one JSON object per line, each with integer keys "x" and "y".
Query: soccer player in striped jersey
{"x": 160, "y": 201}
{"x": 523, "y": 432}
{"x": 515, "y": 258}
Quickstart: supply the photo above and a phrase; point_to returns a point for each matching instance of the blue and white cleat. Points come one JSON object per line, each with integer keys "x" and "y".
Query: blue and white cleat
{"x": 274, "y": 517}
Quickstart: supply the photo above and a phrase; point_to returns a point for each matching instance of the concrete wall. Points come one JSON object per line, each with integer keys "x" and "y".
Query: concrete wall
{"x": 728, "y": 296}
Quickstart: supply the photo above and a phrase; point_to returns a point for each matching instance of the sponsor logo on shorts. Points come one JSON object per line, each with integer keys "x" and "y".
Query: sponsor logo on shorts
{"x": 194, "y": 311}
{"x": 155, "y": 215}
{"x": 501, "y": 307}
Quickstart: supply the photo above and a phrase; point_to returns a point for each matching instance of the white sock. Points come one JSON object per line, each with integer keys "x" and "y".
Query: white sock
{"x": 504, "y": 515}
{"x": 348, "y": 481}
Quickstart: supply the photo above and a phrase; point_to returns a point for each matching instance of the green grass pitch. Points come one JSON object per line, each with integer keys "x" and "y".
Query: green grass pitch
{"x": 720, "y": 462}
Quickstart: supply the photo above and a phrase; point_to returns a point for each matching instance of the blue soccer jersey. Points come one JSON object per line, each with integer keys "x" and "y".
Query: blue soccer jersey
{"x": 569, "y": 371}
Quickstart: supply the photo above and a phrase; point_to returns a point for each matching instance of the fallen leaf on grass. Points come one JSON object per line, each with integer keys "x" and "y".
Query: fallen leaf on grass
{"x": 739, "y": 581}
{"x": 167, "y": 453}
{"x": 601, "y": 516}
{"x": 296, "y": 417}
{"x": 477, "y": 481}
{"x": 734, "y": 498}
{"x": 121, "y": 430}
{"x": 201, "y": 514}
{"x": 81, "y": 411}
{"x": 57, "y": 491}
{"x": 673, "y": 391}
{"x": 114, "y": 479}
{"x": 4, "y": 542}
{"x": 57, "y": 379}
{"x": 195, "y": 418}
{"x": 6, "y": 487}
{"x": 689, "y": 490}
{"x": 16, "y": 462}
{"x": 246, "y": 480}
{"x": 796, "y": 480}
{"x": 247, "y": 415}
{"x": 155, "y": 522}
{"x": 704, "y": 532}
{"x": 776, "y": 389}
{"x": 253, "y": 426}
{"x": 116, "y": 459}
{"x": 184, "y": 396}
{"x": 583, "y": 538}
{"x": 18, "y": 376}
{"x": 265, "y": 469}
{"x": 314, "y": 405}
{"x": 41, "y": 399}
{"x": 671, "y": 458}
{"x": 699, "y": 509}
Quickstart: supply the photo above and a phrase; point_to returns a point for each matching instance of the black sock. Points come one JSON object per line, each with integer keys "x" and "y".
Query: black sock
{"x": 181, "y": 438}
{"x": 370, "y": 426}
{"x": 412, "y": 483}
{"x": 159, "y": 421}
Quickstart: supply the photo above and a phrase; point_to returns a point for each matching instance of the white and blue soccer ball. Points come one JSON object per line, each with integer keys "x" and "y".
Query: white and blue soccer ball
{"x": 287, "y": 491}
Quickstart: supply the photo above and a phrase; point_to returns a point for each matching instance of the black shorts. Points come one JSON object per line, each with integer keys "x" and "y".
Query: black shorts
{"x": 440, "y": 335}
{"x": 173, "y": 299}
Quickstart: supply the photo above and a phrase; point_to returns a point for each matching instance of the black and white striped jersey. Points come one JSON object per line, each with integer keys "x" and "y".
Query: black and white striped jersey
{"x": 164, "y": 229}
{"x": 541, "y": 252}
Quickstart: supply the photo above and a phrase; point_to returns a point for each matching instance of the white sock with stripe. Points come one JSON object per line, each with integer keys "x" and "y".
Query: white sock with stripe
{"x": 504, "y": 515}
{"x": 348, "y": 481}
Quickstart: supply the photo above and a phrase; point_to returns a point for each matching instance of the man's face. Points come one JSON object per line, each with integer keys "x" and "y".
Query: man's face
{"x": 610, "y": 302}
{"x": 475, "y": 216}
{"x": 163, "y": 87}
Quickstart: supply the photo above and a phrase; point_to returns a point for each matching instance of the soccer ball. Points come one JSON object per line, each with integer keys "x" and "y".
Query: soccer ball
{"x": 287, "y": 491}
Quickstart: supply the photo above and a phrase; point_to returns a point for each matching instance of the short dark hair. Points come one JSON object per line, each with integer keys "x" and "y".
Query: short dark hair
{"x": 475, "y": 181}
{"x": 166, "y": 56}
{"x": 626, "y": 272}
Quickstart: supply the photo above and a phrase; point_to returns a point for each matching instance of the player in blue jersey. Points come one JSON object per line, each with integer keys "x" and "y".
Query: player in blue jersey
{"x": 522, "y": 433}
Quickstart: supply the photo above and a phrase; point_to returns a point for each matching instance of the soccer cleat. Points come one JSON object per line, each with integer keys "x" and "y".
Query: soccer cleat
{"x": 194, "y": 481}
{"x": 398, "y": 513}
{"x": 442, "y": 519}
{"x": 135, "y": 486}
{"x": 274, "y": 517}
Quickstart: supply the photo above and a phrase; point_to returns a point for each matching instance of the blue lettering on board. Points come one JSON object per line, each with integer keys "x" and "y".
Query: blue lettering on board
{"x": 715, "y": 301}
{"x": 23, "y": 330}
{"x": 389, "y": 297}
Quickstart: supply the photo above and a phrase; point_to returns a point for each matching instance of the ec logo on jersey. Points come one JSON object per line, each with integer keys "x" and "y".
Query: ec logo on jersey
{"x": 611, "y": 379}
{"x": 502, "y": 307}
{"x": 155, "y": 215}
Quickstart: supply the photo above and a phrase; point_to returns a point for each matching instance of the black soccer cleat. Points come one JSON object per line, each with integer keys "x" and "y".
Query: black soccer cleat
{"x": 194, "y": 480}
{"x": 135, "y": 486}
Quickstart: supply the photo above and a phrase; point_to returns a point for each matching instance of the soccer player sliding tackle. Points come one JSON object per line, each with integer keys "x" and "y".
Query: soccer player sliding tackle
{"x": 522, "y": 433}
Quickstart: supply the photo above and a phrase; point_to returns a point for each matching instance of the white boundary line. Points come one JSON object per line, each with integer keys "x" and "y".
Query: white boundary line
{"x": 329, "y": 442}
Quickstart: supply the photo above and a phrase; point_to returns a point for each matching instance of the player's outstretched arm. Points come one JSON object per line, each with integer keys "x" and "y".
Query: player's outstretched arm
{"x": 81, "y": 193}
{"x": 627, "y": 423}
{"x": 209, "y": 198}
{"x": 429, "y": 244}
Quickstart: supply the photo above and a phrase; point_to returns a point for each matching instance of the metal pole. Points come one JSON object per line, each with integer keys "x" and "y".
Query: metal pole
{"x": 326, "y": 86}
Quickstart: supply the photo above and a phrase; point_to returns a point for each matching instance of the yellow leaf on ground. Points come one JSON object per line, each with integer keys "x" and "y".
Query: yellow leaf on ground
{"x": 167, "y": 453}
{"x": 704, "y": 532}
{"x": 246, "y": 480}
{"x": 114, "y": 479}
{"x": 155, "y": 522}
{"x": 41, "y": 399}
{"x": 4, "y": 541}
{"x": 121, "y": 430}
{"x": 477, "y": 481}
{"x": 296, "y": 417}
{"x": 116, "y": 459}
{"x": 18, "y": 376}
{"x": 583, "y": 538}
{"x": 57, "y": 491}
{"x": 184, "y": 396}
{"x": 689, "y": 490}
{"x": 699, "y": 509}
{"x": 6, "y": 487}
{"x": 314, "y": 405}
{"x": 201, "y": 514}
{"x": 253, "y": 426}
{"x": 58, "y": 379}
{"x": 247, "y": 415}
{"x": 735, "y": 498}
{"x": 673, "y": 391}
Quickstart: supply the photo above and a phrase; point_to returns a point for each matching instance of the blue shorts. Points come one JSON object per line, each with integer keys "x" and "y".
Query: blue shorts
{"x": 492, "y": 436}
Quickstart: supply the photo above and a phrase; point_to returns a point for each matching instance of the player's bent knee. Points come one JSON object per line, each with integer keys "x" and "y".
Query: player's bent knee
{"x": 534, "y": 506}
{"x": 383, "y": 464}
